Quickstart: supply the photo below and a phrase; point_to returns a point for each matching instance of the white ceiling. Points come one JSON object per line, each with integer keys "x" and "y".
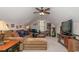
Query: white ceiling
{"x": 20, "y": 15}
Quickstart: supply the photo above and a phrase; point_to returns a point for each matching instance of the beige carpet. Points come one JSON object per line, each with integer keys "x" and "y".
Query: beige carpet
{"x": 53, "y": 46}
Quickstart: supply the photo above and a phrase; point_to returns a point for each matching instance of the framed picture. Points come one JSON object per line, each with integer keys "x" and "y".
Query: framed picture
{"x": 17, "y": 27}
{"x": 20, "y": 26}
{"x": 12, "y": 25}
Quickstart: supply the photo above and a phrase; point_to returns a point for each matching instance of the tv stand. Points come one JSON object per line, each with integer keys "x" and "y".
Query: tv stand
{"x": 66, "y": 41}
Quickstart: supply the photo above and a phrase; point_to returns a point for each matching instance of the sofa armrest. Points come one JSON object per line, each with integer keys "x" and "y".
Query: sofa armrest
{"x": 15, "y": 38}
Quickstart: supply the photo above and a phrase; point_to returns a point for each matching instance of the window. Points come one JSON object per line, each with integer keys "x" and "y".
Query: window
{"x": 42, "y": 25}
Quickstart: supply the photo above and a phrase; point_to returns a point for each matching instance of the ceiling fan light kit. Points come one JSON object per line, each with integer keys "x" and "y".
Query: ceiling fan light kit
{"x": 41, "y": 13}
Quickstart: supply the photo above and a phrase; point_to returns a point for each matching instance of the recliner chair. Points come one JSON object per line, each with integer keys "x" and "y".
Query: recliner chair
{"x": 34, "y": 33}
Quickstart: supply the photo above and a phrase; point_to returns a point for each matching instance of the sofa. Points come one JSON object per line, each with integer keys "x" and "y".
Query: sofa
{"x": 22, "y": 33}
{"x": 13, "y": 35}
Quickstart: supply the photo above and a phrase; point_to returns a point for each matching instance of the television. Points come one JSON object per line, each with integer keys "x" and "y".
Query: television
{"x": 66, "y": 27}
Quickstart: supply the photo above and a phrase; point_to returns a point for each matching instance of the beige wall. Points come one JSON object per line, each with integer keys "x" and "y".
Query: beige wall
{"x": 60, "y": 14}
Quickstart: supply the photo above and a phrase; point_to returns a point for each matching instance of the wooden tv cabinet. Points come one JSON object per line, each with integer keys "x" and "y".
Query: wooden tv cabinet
{"x": 68, "y": 41}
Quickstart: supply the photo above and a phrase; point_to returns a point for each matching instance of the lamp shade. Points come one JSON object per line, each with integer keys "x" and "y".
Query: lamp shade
{"x": 3, "y": 26}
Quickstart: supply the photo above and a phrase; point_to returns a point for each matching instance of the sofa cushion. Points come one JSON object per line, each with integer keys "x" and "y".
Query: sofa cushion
{"x": 11, "y": 34}
{"x": 22, "y": 33}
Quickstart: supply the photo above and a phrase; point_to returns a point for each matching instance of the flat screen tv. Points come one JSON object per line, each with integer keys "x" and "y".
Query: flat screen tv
{"x": 67, "y": 27}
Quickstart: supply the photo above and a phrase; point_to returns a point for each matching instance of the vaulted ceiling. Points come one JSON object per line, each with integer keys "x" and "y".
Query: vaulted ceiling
{"x": 16, "y": 14}
{"x": 24, "y": 15}
{"x": 20, "y": 15}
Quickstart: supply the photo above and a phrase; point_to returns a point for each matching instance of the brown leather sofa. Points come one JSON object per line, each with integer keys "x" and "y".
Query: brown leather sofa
{"x": 14, "y": 36}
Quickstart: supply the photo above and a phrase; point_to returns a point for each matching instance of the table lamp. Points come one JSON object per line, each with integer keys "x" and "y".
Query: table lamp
{"x": 3, "y": 28}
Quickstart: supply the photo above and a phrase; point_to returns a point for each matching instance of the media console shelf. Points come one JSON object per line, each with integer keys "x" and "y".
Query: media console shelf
{"x": 68, "y": 42}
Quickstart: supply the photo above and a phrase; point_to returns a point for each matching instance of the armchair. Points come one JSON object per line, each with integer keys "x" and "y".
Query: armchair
{"x": 34, "y": 33}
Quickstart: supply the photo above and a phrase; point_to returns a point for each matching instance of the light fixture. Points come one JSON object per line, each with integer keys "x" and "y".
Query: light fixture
{"x": 27, "y": 27}
{"x": 3, "y": 28}
{"x": 41, "y": 13}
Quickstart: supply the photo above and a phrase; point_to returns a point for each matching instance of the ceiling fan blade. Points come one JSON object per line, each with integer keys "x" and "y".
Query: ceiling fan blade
{"x": 35, "y": 12}
{"x": 47, "y": 12}
{"x": 47, "y": 9}
{"x": 38, "y": 9}
{"x": 41, "y": 8}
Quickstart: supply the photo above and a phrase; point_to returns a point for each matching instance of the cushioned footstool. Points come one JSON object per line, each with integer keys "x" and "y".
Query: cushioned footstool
{"x": 35, "y": 44}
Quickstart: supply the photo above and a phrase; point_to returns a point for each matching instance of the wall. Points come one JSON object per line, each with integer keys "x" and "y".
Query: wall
{"x": 37, "y": 21}
{"x": 16, "y": 15}
{"x": 60, "y": 14}
{"x": 36, "y": 24}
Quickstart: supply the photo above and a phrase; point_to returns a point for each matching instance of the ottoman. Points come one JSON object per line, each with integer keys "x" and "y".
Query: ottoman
{"x": 35, "y": 44}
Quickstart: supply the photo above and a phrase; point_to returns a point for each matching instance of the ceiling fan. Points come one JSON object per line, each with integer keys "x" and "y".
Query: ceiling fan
{"x": 42, "y": 11}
